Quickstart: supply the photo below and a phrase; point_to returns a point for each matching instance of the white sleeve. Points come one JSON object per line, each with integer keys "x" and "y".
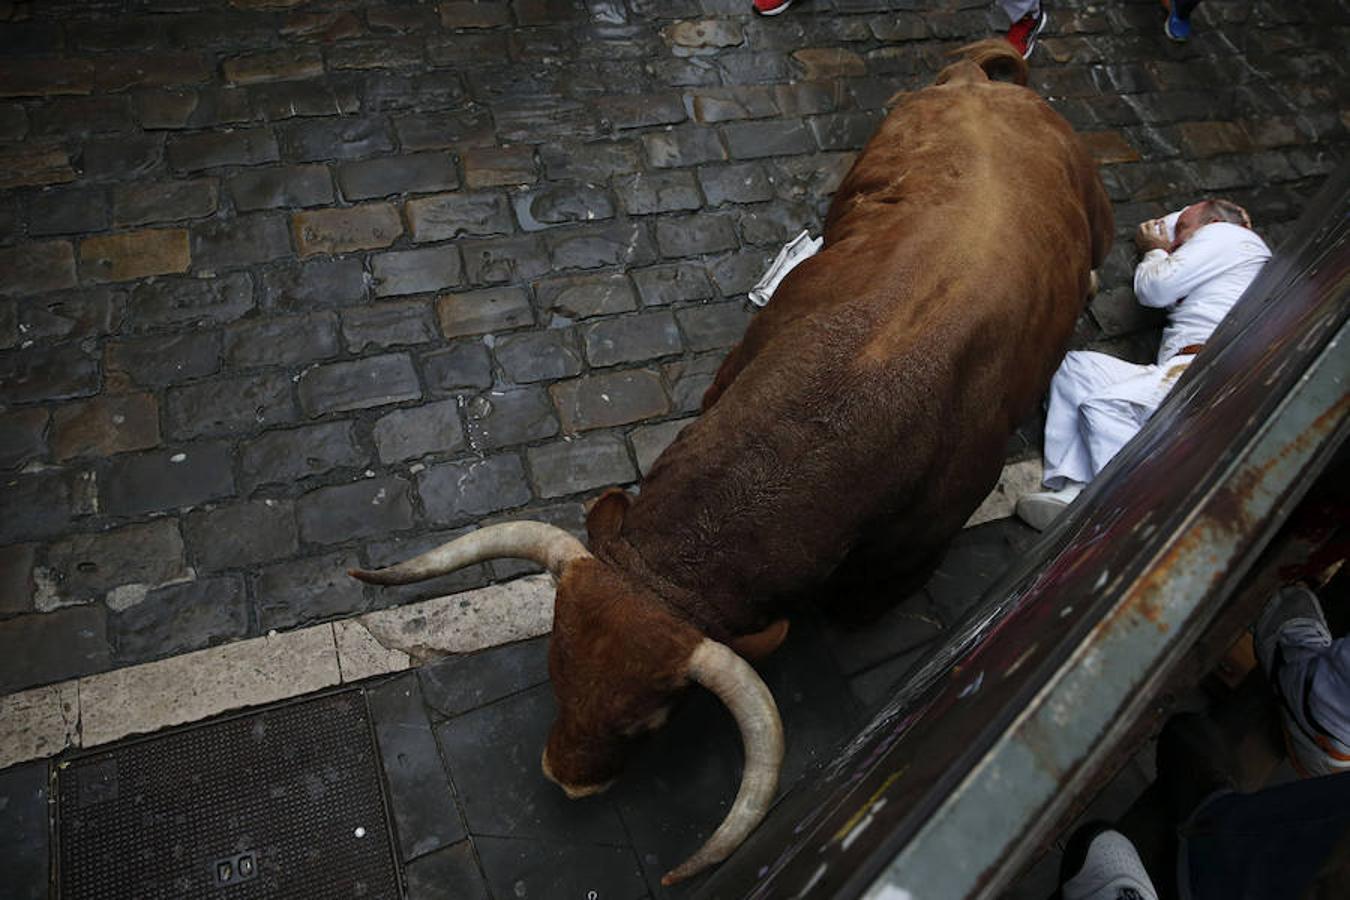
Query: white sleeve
{"x": 1170, "y": 224}
{"x": 1162, "y": 278}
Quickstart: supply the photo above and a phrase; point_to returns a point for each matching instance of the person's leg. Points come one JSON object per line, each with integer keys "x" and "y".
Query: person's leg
{"x": 1271, "y": 843}
{"x": 1328, "y": 704}
{"x": 1068, "y": 458}
{"x": 1107, "y": 424}
{"x": 1114, "y": 415}
{"x": 1082, "y": 375}
{"x": 1016, "y": 9}
{"x": 1311, "y": 674}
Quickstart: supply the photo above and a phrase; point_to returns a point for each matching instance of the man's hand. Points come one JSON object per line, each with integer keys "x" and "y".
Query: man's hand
{"x": 1151, "y": 235}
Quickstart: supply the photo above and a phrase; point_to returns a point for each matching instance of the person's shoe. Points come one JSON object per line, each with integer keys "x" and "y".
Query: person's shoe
{"x": 1293, "y": 618}
{"x": 1312, "y": 755}
{"x": 1023, "y": 33}
{"x": 1110, "y": 868}
{"x": 1176, "y": 28}
{"x": 771, "y": 7}
{"x": 1039, "y": 510}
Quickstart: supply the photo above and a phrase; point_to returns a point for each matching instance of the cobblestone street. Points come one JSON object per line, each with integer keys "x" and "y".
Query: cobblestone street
{"x": 289, "y": 287}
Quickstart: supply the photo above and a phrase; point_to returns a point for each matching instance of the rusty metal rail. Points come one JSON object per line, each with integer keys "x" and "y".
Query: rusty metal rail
{"x": 959, "y": 779}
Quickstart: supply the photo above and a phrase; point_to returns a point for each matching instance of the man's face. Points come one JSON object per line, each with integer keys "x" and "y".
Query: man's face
{"x": 1187, "y": 224}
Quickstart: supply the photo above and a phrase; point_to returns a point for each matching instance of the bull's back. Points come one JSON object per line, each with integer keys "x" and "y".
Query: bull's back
{"x": 957, "y": 255}
{"x": 878, "y": 387}
{"x": 971, "y": 201}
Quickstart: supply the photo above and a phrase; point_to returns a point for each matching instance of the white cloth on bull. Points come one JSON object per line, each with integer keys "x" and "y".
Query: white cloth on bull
{"x": 793, "y": 254}
{"x": 1098, "y": 402}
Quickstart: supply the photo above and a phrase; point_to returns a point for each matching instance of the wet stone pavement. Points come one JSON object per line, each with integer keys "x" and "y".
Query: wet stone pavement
{"x": 289, "y": 286}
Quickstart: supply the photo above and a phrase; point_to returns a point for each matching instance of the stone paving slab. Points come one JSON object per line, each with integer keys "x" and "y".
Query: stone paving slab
{"x": 361, "y": 656}
{"x": 487, "y": 617}
{"x": 426, "y": 815}
{"x": 39, "y": 723}
{"x": 461, "y": 683}
{"x": 450, "y": 874}
{"x": 191, "y": 687}
{"x": 495, "y": 754}
{"x": 24, "y": 841}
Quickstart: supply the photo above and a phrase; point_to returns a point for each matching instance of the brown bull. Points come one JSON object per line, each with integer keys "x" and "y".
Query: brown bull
{"x": 847, "y": 438}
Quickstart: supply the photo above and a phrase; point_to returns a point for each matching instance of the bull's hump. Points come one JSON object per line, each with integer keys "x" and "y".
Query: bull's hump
{"x": 962, "y": 146}
{"x": 964, "y": 213}
{"x": 926, "y": 227}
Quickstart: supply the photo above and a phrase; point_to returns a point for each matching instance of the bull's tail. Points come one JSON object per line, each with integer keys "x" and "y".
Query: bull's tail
{"x": 992, "y": 59}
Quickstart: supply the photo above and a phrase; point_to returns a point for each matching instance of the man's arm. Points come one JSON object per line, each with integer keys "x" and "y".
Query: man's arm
{"x": 1162, "y": 278}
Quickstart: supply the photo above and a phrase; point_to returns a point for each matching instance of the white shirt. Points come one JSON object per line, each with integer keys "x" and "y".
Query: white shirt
{"x": 1200, "y": 282}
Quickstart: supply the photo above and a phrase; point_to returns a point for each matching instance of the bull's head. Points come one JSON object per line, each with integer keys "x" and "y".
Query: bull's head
{"x": 617, "y": 660}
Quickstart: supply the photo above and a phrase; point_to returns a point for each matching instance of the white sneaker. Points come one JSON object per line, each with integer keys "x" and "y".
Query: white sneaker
{"x": 1041, "y": 509}
{"x": 1111, "y": 870}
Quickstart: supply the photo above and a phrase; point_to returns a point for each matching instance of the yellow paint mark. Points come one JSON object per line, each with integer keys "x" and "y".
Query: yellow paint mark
{"x": 862, "y": 810}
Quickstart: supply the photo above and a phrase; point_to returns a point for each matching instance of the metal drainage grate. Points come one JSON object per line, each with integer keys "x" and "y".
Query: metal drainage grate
{"x": 284, "y": 803}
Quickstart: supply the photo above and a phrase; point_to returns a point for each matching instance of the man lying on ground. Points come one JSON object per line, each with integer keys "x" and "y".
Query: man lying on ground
{"x": 1196, "y": 265}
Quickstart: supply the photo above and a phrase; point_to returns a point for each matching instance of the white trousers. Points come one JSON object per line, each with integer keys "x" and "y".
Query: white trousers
{"x": 1016, "y": 9}
{"x": 1097, "y": 403}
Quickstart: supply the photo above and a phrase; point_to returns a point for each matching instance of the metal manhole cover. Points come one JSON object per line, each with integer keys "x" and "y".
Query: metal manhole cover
{"x": 287, "y": 803}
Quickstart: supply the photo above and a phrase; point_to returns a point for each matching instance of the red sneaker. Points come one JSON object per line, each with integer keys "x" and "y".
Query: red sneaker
{"x": 1023, "y": 33}
{"x": 771, "y": 7}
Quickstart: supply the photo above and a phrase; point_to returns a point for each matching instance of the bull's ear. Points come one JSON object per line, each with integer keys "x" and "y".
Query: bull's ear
{"x": 760, "y": 644}
{"x": 606, "y": 515}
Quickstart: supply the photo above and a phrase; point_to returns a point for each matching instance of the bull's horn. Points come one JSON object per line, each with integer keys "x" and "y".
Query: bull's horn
{"x": 721, "y": 671}
{"x": 547, "y": 545}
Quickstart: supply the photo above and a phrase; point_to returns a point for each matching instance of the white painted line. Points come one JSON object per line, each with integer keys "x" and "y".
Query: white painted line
{"x": 187, "y": 688}
{"x": 465, "y": 622}
{"x": 361, "y": 656}
{"x": 37, "y": 723}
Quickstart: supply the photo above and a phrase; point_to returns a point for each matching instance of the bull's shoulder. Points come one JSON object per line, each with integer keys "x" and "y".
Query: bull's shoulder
{"x": 941, "y": 106}
{"x": 935, "y": 142}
